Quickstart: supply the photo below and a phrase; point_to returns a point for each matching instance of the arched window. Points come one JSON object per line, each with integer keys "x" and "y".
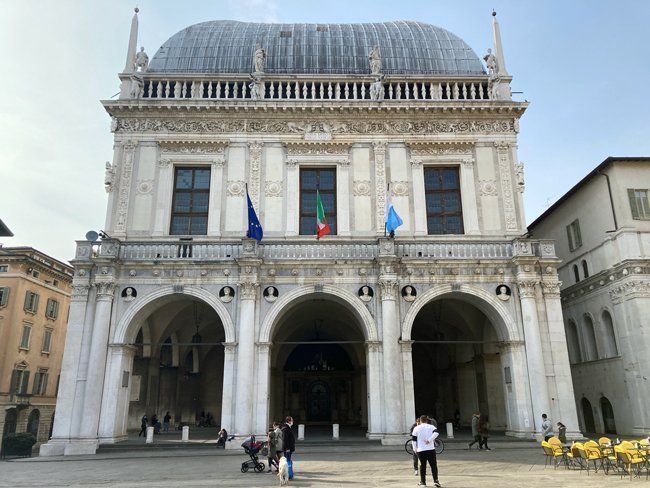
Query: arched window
{"x": 589, "y": 339}
{"x": 588, "y": 416}
{"x": 585, "y": 269}
{"x": 576, "y": 273}
{"x": 11, "y": 419}
{"x": 608, "y": 416}
{"x": 33, "y": 421}
{"x": 609, "y": 338}
{"x": 573, "y": 344}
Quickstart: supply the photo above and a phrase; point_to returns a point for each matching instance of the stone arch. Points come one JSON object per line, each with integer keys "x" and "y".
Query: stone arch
{"x": 589, "y": 338}
{"x": 131, "y": 321}
{"x": 608, "y": 334}
{"x": 500, "y": 317}
{"x": 347, "y": 299}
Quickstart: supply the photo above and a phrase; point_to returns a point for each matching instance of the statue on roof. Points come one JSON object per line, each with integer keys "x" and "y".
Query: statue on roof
{"x": 141, "y": 60}
{"x": 491, "y": 63}
{"x": 375, "y": 61}
{"x": 260, "y": 59}
{"x": 256, "y": 88}
{"x": 377, "y": 90}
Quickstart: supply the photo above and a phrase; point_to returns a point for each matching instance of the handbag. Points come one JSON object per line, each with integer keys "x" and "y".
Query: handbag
{"x": 265, "y": 451}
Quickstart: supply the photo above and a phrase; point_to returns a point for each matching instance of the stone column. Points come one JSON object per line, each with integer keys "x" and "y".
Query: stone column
{"x": 393, "y": 401}
{"x": 534, "y": 354}
{"x": 163, "y": 196}
{"x": 216, "y": 188}
{"x": 373, "y": 365}
{"x": 245, "y": 359}
{"x": 343, "y": 197}
{"x": 293, "y": 197}
{"x": 419, "y": 198}
{"x": 227, "y": 398}
{"x": 69, "y": 393}
{"x": 468, "y": 197}
{"x": 87, "y": 443}
{"x": 262, "y": 377}
{"x": 407, "y": 378}
{"x": 115, "y": 401}
{"x": 519, "y": 414}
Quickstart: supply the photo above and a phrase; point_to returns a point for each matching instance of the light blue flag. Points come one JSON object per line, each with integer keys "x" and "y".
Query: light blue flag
{"x": 393, "y": 221}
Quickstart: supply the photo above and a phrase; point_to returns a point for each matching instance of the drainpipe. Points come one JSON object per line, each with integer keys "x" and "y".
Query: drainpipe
{"x": 611, "y": 200}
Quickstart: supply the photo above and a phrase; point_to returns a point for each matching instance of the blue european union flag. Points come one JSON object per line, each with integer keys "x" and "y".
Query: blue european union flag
{"x": 254, "y": 227}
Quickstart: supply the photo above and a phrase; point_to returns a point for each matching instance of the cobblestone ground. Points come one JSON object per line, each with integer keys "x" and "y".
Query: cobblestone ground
{"x": 327, "y": 465}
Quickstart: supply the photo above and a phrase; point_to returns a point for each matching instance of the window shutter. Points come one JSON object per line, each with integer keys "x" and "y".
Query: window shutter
{"x": 23, "y": 387}
{"x": 37, "y": 377}
{"x": 4, "y": 296}
{"x": 44, "y": 384}
{"x": 35, "y": 302}
{"x": 568, "y": 234}
{"x": 27, "y": 295}
{"x": 15, "y": 375}
{"x": 633, "y": 207}
{"x": 578, "y": 235}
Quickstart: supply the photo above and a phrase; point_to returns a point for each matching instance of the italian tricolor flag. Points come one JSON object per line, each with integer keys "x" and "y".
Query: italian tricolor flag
{"x": 321, "y": 222}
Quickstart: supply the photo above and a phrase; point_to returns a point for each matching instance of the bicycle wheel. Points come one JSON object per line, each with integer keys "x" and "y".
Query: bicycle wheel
{"x": 440, "y": 446}
{"x": 409, "y": 447}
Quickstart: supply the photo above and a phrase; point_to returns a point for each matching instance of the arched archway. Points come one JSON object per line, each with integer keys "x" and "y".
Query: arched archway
{"x": 609, "y": 337}
{"x": 609, "y": 423}
{"x": 589, "y": 339}
{"x": 573, "y": 342}
{"x": 11, "y": 418}
{"x": 33, "y": 422}
{"x": 587, "y": 415}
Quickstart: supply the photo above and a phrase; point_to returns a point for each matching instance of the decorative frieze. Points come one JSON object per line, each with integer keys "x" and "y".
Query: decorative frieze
{"x": 487, "y": 188}
{"x": 317, "y": 149}
{"x": 361, "y": 188}
{"x": 399, "y": 188}
{"x": 144, "y": 187}
{"x": 235, "y": 188}
{"x": 273, "y": 189}
{"x": 527, "y": 288}
{"x": 194, "y": 147}
{"x": 255, "y": 151}
{"x": 128, "y": 153}
{"x": 379, "y": 149}
{"x": 630, "y": 289}
{"x": 440, "y": 149}
{"x": 503, "y": 149}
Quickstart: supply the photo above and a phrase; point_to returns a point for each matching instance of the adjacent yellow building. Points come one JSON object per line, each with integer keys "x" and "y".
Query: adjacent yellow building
{"x": 34, "y": 302}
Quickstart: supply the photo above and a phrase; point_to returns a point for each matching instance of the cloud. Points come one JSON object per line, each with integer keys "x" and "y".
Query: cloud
{"x": 255, "y": 10}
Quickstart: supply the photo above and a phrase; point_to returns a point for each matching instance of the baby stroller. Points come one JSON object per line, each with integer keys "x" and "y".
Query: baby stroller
{"x": 252, "y": 448}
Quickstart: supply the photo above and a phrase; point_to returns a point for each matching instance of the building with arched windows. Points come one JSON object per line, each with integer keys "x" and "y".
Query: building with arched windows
{"x": 602, "y": 231}
{"x": 176, "y": 310}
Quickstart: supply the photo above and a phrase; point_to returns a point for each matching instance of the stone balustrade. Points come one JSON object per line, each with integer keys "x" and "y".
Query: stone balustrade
{"x": 291, "y": 89}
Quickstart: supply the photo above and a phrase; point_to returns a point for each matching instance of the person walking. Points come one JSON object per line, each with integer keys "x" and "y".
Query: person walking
{"x": 272, "y": 456}
{"x": 143, "y": 425}
{"x": 561, "y": 432}
{"x": 288, "y": 443}
{"x": 415, "y": 454}
{"x": 475, "y": 433}
{"x": 424, "y": 437}
{"x": 484, "y": 432}
{"x": 547, "y": 427}
{"x": 166, "y": 420}
{"x": 278, "y": 441}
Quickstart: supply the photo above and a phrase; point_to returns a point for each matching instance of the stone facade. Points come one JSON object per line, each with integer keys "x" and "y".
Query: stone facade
{"x": 606, "y": 292}
{"x": 356, "y": 328}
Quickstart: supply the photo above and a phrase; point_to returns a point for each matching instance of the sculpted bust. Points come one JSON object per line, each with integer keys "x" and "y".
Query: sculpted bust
{"x": 226, "y": 295}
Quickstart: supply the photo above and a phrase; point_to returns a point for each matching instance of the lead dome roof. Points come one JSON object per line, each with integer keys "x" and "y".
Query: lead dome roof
{"x": 227, "y": 46}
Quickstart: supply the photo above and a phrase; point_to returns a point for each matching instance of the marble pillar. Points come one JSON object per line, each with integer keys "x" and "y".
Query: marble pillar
{"x": 245, "y": 359}
{"x": 373, "y": 365}
{"x": 115, "y": 405}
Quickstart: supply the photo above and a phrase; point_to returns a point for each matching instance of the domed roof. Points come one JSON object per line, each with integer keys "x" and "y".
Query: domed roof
{"x": 406, "y": 47}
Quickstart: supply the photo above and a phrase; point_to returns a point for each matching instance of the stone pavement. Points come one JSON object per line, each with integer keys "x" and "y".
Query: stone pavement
{"x": 510, "y": 464}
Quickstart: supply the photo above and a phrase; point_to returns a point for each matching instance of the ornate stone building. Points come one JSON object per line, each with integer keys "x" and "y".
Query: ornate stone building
{"x": 458, "y": 311}
{"x": 602, "y": 230}
{"x": 34, "y": 302}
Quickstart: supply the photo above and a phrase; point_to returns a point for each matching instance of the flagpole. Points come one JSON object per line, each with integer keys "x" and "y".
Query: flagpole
{"x": 385, "y": 203}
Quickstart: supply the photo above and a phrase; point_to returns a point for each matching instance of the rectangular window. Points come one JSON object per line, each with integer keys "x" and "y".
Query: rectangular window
{"x": 323, "y": 179}
{"x": 444, "y": 208}
{"x": 190, "y": 202}
{"x": 639, "y": 204}
{"x": 47, "y": 340}
{"x": 27, "y": 334}
{"x": 4, "y": 296}
{"x": 19, "y": 381}
{"x": 40, "y": 382}
{"x": 4, "y": 268}
{"x": 573, "y": 234}
{"x": 31, "y": 302}
{"x": 52, "y": 309}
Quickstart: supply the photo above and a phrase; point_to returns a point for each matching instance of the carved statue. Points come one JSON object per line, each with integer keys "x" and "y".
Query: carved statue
{"x": 256, "y": 88}
{"x": 141, "y": 60}
{"x": 375, "y": 61}
{"x": 377, "y": 90}
{"x": 365, "y": 293}
{"x": 137, "y": 84}
{"x": 493, "y": 87}
{"x": 491, "y": 63}
{"x": 260, "y": 59}
{"x": 519, "y": 173}
{"x": 109, "y": 177}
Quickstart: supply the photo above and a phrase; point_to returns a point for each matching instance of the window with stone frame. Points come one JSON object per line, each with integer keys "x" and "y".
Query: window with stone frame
{"x": 40, "y": 382}
{"x": 323, "y": 180}
{"x": 4, "y": 296}
{"x": 47, "y": 340}
{"x": 443, "y": 202}
{"x": 19, "y": 380}
{"x": 26, "y": 336}
{"x": 639, "y": 203}
{"x": 31, "y": 302}
{"x": 573, "y": 235}
{"x": 190, "y": 201}
{"x": 52, "y": 309}
{"x": 4, "y": 268}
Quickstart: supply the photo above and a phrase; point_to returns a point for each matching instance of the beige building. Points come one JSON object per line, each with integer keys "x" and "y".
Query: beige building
{"x": 601, "y": 228}
{"x": 34, "y": 302}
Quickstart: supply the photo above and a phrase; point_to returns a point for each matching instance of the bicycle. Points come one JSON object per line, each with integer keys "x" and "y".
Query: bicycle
{"x": 439, "y": 443}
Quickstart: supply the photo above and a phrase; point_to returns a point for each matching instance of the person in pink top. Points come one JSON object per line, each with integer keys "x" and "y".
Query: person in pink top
{"x": 424, "y": 436}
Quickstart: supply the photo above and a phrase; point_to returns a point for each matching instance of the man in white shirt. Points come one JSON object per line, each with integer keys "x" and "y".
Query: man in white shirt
{"x": 424, "y": 436}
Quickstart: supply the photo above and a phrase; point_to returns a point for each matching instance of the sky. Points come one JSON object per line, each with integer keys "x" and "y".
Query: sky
{"x": 583, "y": 65}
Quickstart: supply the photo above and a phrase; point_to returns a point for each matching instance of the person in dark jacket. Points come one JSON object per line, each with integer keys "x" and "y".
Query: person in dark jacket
{"x": 143, "y": 425}
{"x": 288, "y": 443}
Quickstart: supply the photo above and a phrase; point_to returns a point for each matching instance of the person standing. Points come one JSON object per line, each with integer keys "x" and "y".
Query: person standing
{"x": 278, "y": 441}
{"x": 415, "y": 454}
{"x": 143, "y": 425}
{"x": 547, "y": 427}
{"x": 424, "y": 437}
{"x": 475, "y": 433}
{"x": 561, "y": 432}
{"x": 166, "y": 420}
{"x": 484, "y": 432}
{"x": 273, "y": 449}
{"x": 288, "y": 443}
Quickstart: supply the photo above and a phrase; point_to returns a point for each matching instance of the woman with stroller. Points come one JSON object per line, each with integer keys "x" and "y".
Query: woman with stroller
{"x": 272, "y": 445}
